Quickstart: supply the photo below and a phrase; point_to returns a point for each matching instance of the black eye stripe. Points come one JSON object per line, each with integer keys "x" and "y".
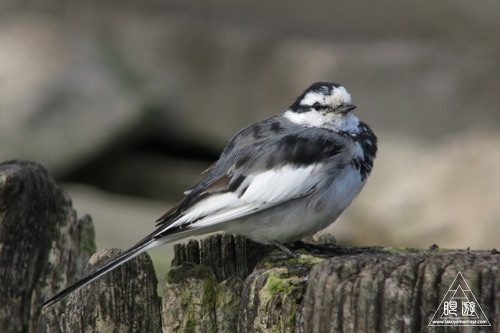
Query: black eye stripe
{"x": 317, "y": 106}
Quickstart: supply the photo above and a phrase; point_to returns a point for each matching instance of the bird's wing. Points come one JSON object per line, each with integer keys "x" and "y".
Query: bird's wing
{"x": 258, "y": 178}
{"x": 246, "y": 194}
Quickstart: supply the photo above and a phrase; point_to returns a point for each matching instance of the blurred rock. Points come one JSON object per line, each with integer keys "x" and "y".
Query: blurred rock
{"x": 65, "y": 105}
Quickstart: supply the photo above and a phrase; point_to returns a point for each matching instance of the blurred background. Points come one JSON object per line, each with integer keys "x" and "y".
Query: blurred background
{"x": 126, "y": 104}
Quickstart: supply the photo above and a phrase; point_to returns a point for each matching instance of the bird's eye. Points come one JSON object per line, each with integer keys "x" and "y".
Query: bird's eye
{"x": 316, "y": 106}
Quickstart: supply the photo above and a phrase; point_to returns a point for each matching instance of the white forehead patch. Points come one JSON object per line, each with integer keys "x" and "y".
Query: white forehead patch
{"x": 338, "y": 96}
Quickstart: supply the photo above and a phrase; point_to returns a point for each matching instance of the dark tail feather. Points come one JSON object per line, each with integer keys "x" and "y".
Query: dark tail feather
{"x": 137, "y": 249}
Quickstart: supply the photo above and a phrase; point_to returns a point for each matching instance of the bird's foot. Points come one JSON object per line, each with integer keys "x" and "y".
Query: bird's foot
{"x": 289, "y": 253}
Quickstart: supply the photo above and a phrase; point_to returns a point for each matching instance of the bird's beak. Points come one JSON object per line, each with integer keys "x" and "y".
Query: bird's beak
{"x": 345, "y": 108}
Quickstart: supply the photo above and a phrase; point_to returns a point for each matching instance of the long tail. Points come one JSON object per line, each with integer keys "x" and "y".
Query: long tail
{"x": 160, "y": 236}
{"x": 145, "y": 244}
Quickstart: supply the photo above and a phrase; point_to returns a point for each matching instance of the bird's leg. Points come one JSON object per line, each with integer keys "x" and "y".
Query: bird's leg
{"x": 287, "y": 251}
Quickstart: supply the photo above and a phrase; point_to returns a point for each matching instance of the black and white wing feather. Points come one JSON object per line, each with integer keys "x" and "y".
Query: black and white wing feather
{"x": 254, "y": 174}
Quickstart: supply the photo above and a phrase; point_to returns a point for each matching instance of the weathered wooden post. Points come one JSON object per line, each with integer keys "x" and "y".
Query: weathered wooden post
{"x": 43, "y": 245}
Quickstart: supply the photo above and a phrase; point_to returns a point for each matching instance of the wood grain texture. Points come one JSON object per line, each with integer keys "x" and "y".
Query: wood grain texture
{"x": 124, "y": 300}
{"x": 43, "y": 245}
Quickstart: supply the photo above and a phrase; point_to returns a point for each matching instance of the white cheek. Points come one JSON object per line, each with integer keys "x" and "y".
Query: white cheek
{"x": 310, "y": 119}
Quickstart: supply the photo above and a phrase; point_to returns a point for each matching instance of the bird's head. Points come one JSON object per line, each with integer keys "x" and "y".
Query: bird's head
{"x": 326, "y": 105}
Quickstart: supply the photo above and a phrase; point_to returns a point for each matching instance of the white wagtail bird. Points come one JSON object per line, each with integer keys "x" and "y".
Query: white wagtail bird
{"x": 276, "y": 181}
